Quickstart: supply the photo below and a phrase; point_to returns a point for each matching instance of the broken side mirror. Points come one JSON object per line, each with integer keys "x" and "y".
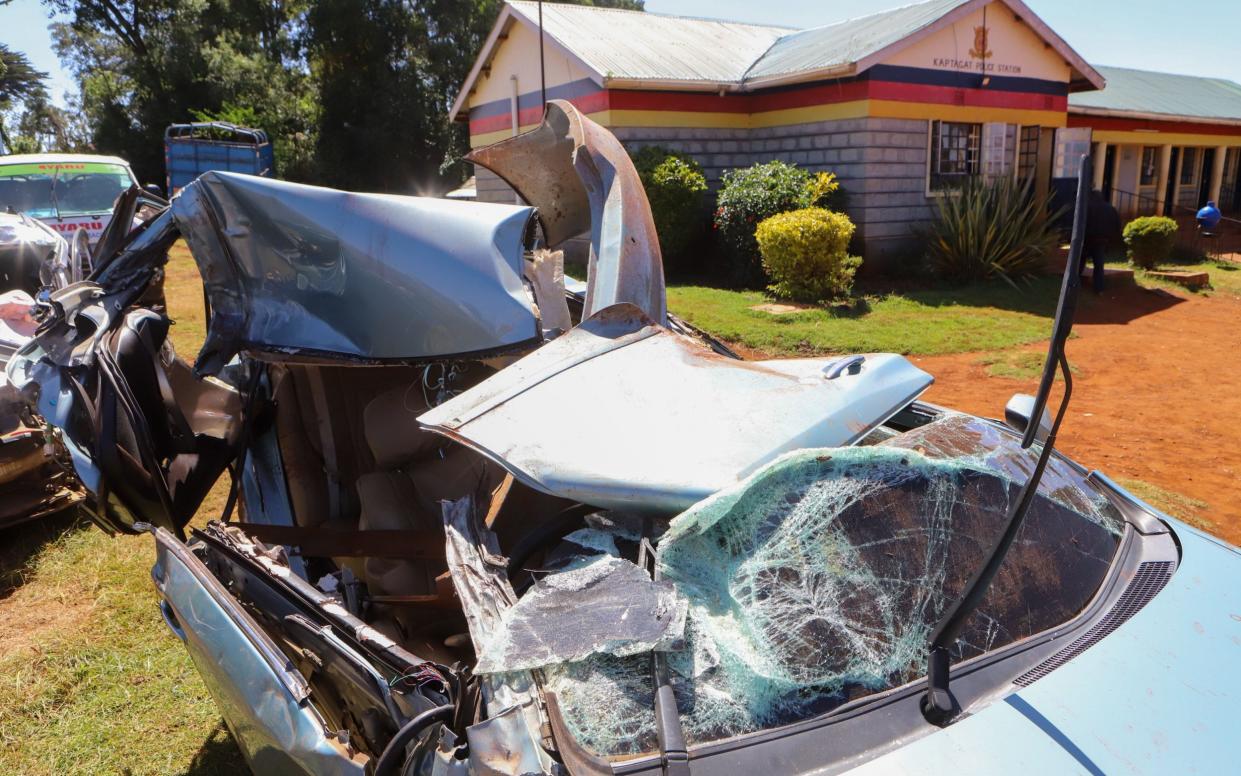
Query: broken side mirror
{"x": 1017, "y": 415}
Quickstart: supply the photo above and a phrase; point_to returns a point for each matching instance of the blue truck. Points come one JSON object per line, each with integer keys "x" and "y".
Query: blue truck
{"x": 192, "y": 149}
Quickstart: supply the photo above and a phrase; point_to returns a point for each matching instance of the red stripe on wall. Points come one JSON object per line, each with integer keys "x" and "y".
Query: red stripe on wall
{"x": 587, "y": 103}
{"x": 975, "y": 98}
{"x": 1107, "y": 123}
{"x": 822, "y": 94}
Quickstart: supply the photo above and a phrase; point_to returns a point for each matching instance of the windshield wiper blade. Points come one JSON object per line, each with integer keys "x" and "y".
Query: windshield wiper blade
{"x": 938, "y": 704}
{"x": 52, "y": 194}
{"x": 673, "y": 752}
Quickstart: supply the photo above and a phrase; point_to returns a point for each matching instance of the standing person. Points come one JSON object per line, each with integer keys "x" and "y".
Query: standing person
{"x": 1103, "y": 236}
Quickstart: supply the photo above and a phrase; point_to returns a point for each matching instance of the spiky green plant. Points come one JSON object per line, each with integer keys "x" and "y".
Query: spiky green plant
{"x": 989, "y": 229}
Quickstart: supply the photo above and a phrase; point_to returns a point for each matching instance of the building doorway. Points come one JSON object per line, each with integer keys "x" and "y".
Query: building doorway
{"x": 1208, "y": 166}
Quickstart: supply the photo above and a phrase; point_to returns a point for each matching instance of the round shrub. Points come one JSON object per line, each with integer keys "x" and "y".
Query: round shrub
{"x": 674, "y": 185}
{"x": 1150, "y": 239}
{"x": 806, "y": 253}
{"x": 751, "y": 195}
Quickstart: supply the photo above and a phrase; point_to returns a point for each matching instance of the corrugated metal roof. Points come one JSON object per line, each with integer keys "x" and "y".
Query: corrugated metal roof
{"x": 848, "y": 41}
{"x": 640, "y": 45}
{"x": 1142, "y": 91}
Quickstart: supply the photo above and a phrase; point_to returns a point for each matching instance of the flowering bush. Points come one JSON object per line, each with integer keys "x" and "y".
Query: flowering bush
{"x": 751, "y": 195}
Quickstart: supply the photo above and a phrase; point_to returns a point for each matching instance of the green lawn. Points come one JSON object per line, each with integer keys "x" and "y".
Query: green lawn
{"x": 1225, "y": 276}
{"x": 925, "y": 322}
{"x": 91, "y": 680}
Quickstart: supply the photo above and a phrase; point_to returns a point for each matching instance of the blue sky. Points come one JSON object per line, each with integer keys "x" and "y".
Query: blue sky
{"x": 1197, "y": 38}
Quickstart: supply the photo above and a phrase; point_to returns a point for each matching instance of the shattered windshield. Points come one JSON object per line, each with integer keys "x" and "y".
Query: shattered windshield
{"x": 52, "y": 189}
{"x": 817, "y": 581}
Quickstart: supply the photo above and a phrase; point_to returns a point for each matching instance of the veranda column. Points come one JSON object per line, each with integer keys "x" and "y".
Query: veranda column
{"x": 1161, "y": 185}
{"x": 1100, "y": 156}
{"x": 1217, "y": 172}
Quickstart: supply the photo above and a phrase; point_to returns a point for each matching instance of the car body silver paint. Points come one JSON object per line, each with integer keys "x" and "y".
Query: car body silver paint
{"x": 303, "y": 271}
{"x": 258, "y": 690}
{"x": 670, "y": 421}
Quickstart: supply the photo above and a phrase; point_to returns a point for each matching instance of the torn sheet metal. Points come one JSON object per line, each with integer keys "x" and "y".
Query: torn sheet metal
{"x": 816, "y": 581}
{"x": 29, "y": 249}
{"x": 480, "y": 578}
{"x": 502, "y": 746}
{"x": 546, "y": 276}
{"x": 302, "y": 270}
{"x": 602, "y": 605}
{"x": 580, "y": 178}
{"x": 664, "y": 421}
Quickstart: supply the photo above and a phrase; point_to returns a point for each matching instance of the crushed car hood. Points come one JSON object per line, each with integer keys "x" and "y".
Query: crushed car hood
{"x": 621, "y": 413}
{"x": 307, "y": 271}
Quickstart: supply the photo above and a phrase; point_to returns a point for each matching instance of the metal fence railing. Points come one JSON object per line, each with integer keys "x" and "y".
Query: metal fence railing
{"x": 1224, "y": 241}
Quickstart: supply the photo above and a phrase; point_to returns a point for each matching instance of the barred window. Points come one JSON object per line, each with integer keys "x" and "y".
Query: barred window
{"x": 1027, "y": 153}
{"x": 955, "y": 153}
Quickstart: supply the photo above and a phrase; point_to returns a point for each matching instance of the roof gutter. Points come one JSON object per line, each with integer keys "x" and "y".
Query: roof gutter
{"x": 730, "y": 87}
{"x": 1132, "y": 114}
{"x": 672, "y": 85}
{"x": 821, "y": 74}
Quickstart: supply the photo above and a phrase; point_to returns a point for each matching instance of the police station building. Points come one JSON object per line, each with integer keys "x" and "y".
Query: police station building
{"x": 900, "y": 104}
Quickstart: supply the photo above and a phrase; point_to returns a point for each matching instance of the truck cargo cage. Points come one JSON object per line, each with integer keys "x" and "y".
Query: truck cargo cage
{"x": 192, "y": 149}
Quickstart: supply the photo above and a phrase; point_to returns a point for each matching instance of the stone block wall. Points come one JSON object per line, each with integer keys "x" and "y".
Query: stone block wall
{"x": 881, "y": 163}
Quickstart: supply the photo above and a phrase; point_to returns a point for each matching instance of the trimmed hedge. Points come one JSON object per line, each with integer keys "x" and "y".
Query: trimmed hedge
{"x": 806, "y": 253}
{"x": 1150, "y": 240}
{"x": 674, "y": 185}
{"x": 751, "y": 195}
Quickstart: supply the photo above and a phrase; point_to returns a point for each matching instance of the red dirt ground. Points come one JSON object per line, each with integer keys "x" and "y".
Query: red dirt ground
{"x": 1157, "y": 394}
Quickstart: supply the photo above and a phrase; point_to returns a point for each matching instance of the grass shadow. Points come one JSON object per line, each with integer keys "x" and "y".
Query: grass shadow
{"x": 218, "y": 755}
{"x": 21, "y": 544}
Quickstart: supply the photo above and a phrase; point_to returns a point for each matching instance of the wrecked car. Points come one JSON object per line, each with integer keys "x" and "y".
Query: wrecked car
{"x": 32, "y": 483}
{"x": 480, "y": 523}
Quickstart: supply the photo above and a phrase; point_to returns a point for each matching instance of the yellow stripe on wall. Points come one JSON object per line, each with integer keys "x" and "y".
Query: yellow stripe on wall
{"x": 854, "y": 109}
{"x": 805, "y": 115}
{"x": 891, "y": 109}
{"x": 1120, "y": 137}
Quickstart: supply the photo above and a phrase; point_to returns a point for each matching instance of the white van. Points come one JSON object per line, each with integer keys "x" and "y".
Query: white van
{"x": 64, "y": 191}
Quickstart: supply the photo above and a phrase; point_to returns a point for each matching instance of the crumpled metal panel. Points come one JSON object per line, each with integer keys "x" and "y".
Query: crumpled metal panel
{"x": 580, "y": 178}
{"x": 664, "y": 421}
{"x": 26, "y": 245}
{"x": 258, "y": 690}
{"x": 308, "y": 271}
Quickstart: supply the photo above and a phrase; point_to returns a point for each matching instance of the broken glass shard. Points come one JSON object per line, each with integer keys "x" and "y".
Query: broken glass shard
{"x": 601, "y": 605}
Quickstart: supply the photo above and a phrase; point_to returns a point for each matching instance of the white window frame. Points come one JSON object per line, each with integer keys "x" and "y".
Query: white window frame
{"x": 931, "y": 156}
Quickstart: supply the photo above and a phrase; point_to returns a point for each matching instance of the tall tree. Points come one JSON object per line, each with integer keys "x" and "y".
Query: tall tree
{"x": 143, "y": 64}
{"x": 19, "y": 83}
{"x": 353, "y": 93}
